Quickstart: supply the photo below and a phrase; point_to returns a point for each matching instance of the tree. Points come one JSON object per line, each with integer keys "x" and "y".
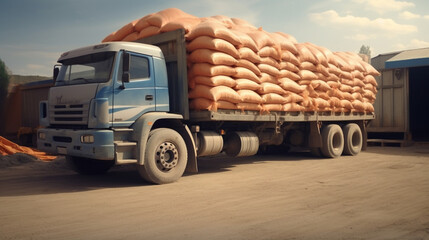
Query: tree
{"x": 4, "y": 84}
{"x": 365, "y": 50}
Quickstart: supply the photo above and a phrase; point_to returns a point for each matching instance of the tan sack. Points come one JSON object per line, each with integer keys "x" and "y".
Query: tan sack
{"x": 183, "y": 23}
{"x": 285, "y": 43}
{"x": 121, "y": 33}
{"x": 219, "y": 93}
{"x": 142, "y": 23}
{"x": 265, "y": 77}
{"x": 290, "y": 85}
{"x": 213, "y": 29}
{"x": 250, "y": 96}
{"x": 269, "y": 51}
{"x": 214, "y": 81}
{"x": 269, "y": 69}
{"x": 246, "y": 40}
{"x": 293, "y": 107}
{"x": 261, "y": 38}
{"x": 249, "y": 106}
{"x": 148, "y": 31}
{"x": 249, "y": 54}
{"x": 305, "y": 54}
{"x": 209, "y": 70}
{"x": 241, "y": 72}
{"x": 246, "y": 84}
{"x": 249, "y": 65}
{"x": 272, "y": 107}
{"x": 267, "y": 87}
{"x": 207, "y": 104}
{"x": 131, "y": 37}
{"x": 273, "y": 98}
{"x": 307, "y": 75}
{"x": 212, "y": 57}
{"x": 292, "y": 97}
{"x": 206, "y": 42}
{"x": 165, "y": 16}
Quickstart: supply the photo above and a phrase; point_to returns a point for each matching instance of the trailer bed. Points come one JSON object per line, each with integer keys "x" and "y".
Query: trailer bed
{"x": 256, "y": 116}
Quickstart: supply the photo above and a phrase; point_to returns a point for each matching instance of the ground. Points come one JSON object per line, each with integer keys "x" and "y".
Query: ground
{"x": 382, "y": 193}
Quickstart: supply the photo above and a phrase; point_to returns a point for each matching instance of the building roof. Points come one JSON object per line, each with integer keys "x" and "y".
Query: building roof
{"x": 409, "y": 58}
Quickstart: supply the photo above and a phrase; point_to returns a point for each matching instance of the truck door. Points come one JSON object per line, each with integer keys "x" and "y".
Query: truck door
{"x": 138, "y": 95}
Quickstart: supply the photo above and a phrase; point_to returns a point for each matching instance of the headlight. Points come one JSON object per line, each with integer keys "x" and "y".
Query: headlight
{"x": 87, "y": 139}
{"x": 42, "y": 135}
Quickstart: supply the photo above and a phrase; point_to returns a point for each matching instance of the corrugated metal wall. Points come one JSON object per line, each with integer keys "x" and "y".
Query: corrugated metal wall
{"x": 30, "y": 104}
{"x": 391, "y": 105}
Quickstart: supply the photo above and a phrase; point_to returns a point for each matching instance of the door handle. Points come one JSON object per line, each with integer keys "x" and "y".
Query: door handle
{"x": 149, "y": 97}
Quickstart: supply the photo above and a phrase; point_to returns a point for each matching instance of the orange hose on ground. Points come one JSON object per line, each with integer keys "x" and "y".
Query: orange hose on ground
{"x": 7, "y": 147}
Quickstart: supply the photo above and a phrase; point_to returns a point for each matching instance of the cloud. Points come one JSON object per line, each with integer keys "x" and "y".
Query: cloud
{"x": 383, "y": 6}
{"x": 415, "y": 43}
{"x": 426, "y": 17}
{"x": 360, "y": 37}
{"x": 379, "y": 25}
{"x": 409, "y": 15}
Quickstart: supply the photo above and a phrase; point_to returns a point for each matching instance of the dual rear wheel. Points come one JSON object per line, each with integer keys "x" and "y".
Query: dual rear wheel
{"x": 337, "y": 141}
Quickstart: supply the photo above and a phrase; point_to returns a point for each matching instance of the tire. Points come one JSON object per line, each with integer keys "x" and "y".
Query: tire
{"x": 333, "y": 141}
{"x": 88, "y": 166}
{"x": 352, "y": 139}
{"x": 166, "y": 157}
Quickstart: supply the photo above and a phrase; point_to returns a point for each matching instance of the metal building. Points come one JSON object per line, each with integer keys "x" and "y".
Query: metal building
{"x": 22, "y": 111}
{"x": 402, "y": 103}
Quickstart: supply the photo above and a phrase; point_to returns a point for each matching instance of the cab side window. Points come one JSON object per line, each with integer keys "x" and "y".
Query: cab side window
{"x": 139, "y": 68}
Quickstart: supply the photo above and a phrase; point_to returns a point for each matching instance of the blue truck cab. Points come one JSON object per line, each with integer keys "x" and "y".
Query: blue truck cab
{"x": 106, "y": 100}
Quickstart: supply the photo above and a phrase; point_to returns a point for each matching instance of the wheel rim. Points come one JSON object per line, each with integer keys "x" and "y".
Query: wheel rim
{"x": 167, "y": 156}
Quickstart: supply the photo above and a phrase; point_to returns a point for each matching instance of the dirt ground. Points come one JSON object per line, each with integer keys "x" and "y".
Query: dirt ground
{"x": 382, "y": 193}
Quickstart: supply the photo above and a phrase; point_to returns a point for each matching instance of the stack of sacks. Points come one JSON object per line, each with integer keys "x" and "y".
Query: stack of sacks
{"x": 234, "y": 65}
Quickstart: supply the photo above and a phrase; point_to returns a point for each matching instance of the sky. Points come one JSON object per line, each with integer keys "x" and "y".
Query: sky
{"x": 33, "y": 33}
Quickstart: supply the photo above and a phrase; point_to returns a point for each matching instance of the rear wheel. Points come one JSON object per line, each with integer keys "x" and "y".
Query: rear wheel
{"x": 352, "y": 139}
{"x": 88, "y": 166}
{"x": 333, "y": 141}
{"x": 165, "y": 157}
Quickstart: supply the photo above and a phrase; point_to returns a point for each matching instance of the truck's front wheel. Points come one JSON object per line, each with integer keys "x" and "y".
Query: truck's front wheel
{"x": 165, "y": 157}
{"x": 87, "y": 166}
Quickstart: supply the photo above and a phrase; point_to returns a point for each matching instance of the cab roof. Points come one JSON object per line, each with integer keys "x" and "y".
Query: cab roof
{"x": 114, "y": 47}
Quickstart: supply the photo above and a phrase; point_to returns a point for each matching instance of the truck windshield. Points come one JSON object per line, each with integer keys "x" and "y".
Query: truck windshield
{"x": 92, "y": 68}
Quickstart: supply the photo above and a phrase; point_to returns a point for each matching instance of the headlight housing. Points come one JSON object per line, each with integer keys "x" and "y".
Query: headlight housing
{"x": 87, "y": 139}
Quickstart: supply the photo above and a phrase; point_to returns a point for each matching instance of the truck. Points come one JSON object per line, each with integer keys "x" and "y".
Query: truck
{"x": 127, "y": 103}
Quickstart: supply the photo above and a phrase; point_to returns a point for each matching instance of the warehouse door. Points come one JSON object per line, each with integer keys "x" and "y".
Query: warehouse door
{"x": 419, "y": 103}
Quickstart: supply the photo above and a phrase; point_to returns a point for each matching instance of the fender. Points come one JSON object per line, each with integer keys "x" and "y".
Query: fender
{"x": 145, "y": 124}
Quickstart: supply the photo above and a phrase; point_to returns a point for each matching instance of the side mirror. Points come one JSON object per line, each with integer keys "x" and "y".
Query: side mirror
{"x": 56, "y": 72}
{"x": 125, "y": 68}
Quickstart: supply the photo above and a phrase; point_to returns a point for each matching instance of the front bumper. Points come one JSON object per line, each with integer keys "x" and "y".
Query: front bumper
{"x": 68, "y": 142}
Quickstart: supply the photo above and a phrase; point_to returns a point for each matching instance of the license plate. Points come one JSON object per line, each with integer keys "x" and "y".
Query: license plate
{"x": 62, "y": 150}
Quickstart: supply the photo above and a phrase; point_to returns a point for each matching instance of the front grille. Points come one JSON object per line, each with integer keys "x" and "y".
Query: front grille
{"x": 72, "y": 114}
{"x": 62, "y": 139}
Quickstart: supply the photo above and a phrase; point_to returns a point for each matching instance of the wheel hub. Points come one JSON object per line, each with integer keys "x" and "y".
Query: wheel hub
{"x": 167, "y": 156}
